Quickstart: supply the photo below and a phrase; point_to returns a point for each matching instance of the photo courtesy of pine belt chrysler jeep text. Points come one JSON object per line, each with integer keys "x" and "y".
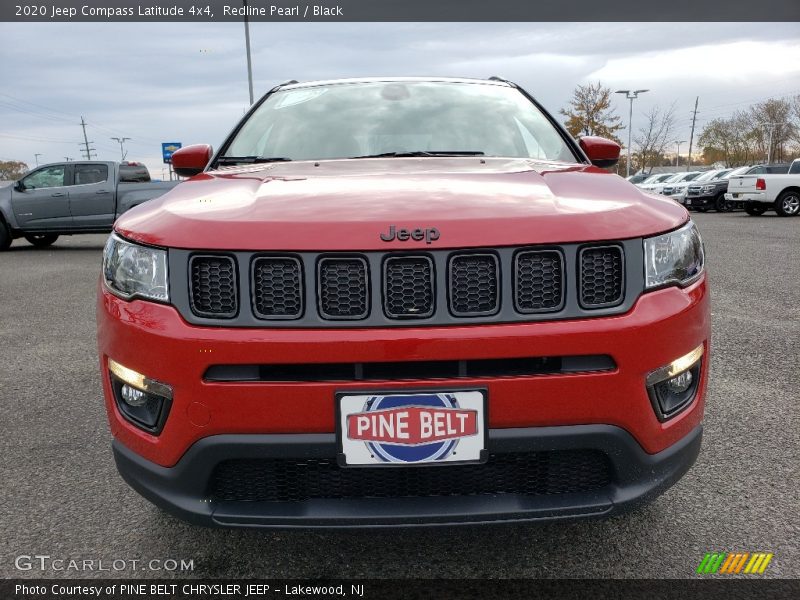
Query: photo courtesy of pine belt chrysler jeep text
{"x": 402, "y": 301}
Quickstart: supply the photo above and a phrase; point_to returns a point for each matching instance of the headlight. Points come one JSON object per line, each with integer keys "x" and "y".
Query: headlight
{"x": 674, "y": 258}
{"x": 131, "y": 270}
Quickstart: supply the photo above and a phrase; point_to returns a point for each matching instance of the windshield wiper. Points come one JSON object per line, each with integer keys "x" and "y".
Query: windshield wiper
{"x": 250, "y": 160}
{"x": 423, "y": 153}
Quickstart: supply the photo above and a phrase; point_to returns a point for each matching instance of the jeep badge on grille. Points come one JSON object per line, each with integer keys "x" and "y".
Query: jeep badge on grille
{"x": 430, "y": 234}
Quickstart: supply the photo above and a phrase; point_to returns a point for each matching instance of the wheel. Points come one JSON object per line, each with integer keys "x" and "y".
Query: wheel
{"x": 788, "y": 203}
{"x": 722, "y": 205}
{"x": 42, "y": 240}
{"x": 754, "y": 210}
{"x": 5, "y": 236}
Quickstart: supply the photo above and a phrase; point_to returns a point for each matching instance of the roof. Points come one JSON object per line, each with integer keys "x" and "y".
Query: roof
{"x": 306, "y": 84}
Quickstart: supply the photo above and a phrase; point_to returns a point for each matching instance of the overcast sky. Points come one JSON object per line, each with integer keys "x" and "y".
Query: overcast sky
{"x": 188, "y": 82}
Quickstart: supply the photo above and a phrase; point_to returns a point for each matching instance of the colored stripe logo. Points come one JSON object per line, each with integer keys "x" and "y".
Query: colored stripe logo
{"x": 735, "y": 563}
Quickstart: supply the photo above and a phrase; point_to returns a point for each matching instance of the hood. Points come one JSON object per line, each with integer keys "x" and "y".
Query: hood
{"x": 348, "y": 204}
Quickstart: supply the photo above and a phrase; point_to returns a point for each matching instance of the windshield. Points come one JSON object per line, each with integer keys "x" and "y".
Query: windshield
{"x": 709, "y": 175}
{"x": 349, "y": 120}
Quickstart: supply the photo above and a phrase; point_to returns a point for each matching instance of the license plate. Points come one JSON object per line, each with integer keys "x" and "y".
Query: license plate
{"x": 735, "y": 195}
{"x": 688, "y": 202}
{"x": 411, "y": 428}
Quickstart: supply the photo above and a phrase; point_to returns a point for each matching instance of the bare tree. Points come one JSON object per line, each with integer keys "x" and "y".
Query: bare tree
{"x": 653, "y": 139}
{"x": 590, "y": 113}
{"x": 12, "y": 169}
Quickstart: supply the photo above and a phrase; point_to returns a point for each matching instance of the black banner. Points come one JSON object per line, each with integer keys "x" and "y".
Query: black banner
{"x": 731, "y": 588}
{"x": 400, "y": 10}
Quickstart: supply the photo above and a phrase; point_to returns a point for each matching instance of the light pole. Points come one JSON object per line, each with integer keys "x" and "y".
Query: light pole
{"x": 630, "y": 95}
{"x": 121, "y": 141}
{"x": 247, "y": 45}
{"x": 36, "y": 156}
{"x": 678, "y": 152}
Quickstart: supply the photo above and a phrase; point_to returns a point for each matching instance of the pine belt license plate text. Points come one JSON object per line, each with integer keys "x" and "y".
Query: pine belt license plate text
{"x": 412, "y": 428}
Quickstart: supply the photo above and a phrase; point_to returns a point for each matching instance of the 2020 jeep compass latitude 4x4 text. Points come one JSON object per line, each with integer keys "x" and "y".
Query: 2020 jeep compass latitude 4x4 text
{"x": 402, "y": 302}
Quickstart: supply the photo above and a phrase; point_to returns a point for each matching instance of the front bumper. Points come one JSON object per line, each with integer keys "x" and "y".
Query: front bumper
{"x": 183, "y": 490}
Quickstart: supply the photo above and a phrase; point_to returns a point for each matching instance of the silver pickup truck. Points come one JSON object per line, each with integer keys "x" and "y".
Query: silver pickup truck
{"x": 69, "y": 198}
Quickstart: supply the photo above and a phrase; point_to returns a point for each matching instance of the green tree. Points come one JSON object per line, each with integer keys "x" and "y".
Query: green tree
{"x": 12, "y": 169}
{"x": 590, "y": 113}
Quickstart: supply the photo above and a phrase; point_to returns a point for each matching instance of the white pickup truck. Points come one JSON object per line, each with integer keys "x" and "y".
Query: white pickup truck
{"x": 762, "y": 192}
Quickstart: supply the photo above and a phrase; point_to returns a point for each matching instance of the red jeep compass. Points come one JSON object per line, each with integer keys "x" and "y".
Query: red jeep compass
{"x": 402, "y": 302}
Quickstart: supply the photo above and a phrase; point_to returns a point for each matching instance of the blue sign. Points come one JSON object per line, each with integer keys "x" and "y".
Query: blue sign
{"x": 167, "y": 149}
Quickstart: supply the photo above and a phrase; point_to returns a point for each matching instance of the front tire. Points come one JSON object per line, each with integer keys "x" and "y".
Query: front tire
{"x": 788, "y": 204}
{"x": 722, "y": 205}
{"x": 754, "y": 210}
{"x": 5, "y": 236}
{"x": 42, "y": 240}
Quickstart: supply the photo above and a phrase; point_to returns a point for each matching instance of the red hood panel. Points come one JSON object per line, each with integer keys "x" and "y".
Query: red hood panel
{"x": 347, "y": 204}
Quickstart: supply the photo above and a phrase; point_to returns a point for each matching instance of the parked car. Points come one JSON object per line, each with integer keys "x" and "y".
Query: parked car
{"x": 763, "y": 189}
{"x": 708, "y": 191}
{"x": 404, "y": 301}
{"x": 651, "y": 182}
{"x": 638, "y": 178}
{"x": 70, "y": 198}
{"x": 675, "y": 187}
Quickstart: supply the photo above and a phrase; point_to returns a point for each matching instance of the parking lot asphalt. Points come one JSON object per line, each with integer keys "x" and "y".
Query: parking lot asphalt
{"x": 61, "y": 495}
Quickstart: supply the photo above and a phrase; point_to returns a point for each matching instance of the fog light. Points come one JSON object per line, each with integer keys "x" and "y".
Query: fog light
{"x": 143, "y": 401}
{"x": 673, "y": 387}
{"x": 680, "y": 383}
{"x": 133, "y": 396}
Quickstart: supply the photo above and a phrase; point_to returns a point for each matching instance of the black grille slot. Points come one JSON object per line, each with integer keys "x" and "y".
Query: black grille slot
{"x": 343, "y": 288}
{"x": 277, "y": 288}
{"x": 522, "y": 473}
{"x": 601, "y": 276}
{"x": 474, "y": 285}
{"x": 539, "y": 281}
{"x": 408, "y": 287}
{"x": 213, "y": 286}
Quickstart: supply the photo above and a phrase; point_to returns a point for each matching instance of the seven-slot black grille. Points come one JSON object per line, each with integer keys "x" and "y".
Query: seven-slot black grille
{"x": 474, "y": 285}
{"x": 539, "y": 281}
{"x": 601, "y": 276}
{"x": 213, "y": 286}
{"x": 523, "y": 473}
{"x": 408, "y": 287}
{"x": 277, "y": 288}
{"x": 306, "y": 289}
{"x": 343, "y": 288}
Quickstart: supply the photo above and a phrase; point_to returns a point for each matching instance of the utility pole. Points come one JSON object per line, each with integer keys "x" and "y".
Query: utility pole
{"x": 86, "y": 141}
{"x": 691, "y": 137}
{"x": 630, "y": 95}
{"x": 247, "y": 45}
{"x": 67, "y": 158}
{"x": 36, "y": 156}
{"x": 678, "y": 152}
{"x": 121, "y": 141}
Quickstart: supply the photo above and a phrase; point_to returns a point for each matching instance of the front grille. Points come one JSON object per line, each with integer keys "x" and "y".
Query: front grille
{"x": 213, "y": 286}
{"x": 601, "y": 276}
{"x": 277, "y": 288}
{"x": 401, "y": 289}
{"x": 343, "y": 289}
{"x": 474, "y": 285}
{"x": 694, "y": 190}
{"x": 521, "y": 473}
{"x": 408, "y": 287}
{"x": 538, "y": 285}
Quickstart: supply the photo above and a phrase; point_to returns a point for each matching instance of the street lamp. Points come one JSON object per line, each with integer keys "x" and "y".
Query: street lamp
{"x": 630, "y": 95}
{"x": 678, "y": 152}
{"x": 36, "y": 156}
{"x": 121, "y": 141}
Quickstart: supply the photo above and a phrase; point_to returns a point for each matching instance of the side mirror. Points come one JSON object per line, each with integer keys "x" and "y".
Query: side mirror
{"x": 191, "y": 160}
{"x": 19, "y": 186}
{"x": 602, "y": 152}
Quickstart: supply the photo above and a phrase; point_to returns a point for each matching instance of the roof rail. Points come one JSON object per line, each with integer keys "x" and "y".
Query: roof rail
{"x": 496, "y": 78}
